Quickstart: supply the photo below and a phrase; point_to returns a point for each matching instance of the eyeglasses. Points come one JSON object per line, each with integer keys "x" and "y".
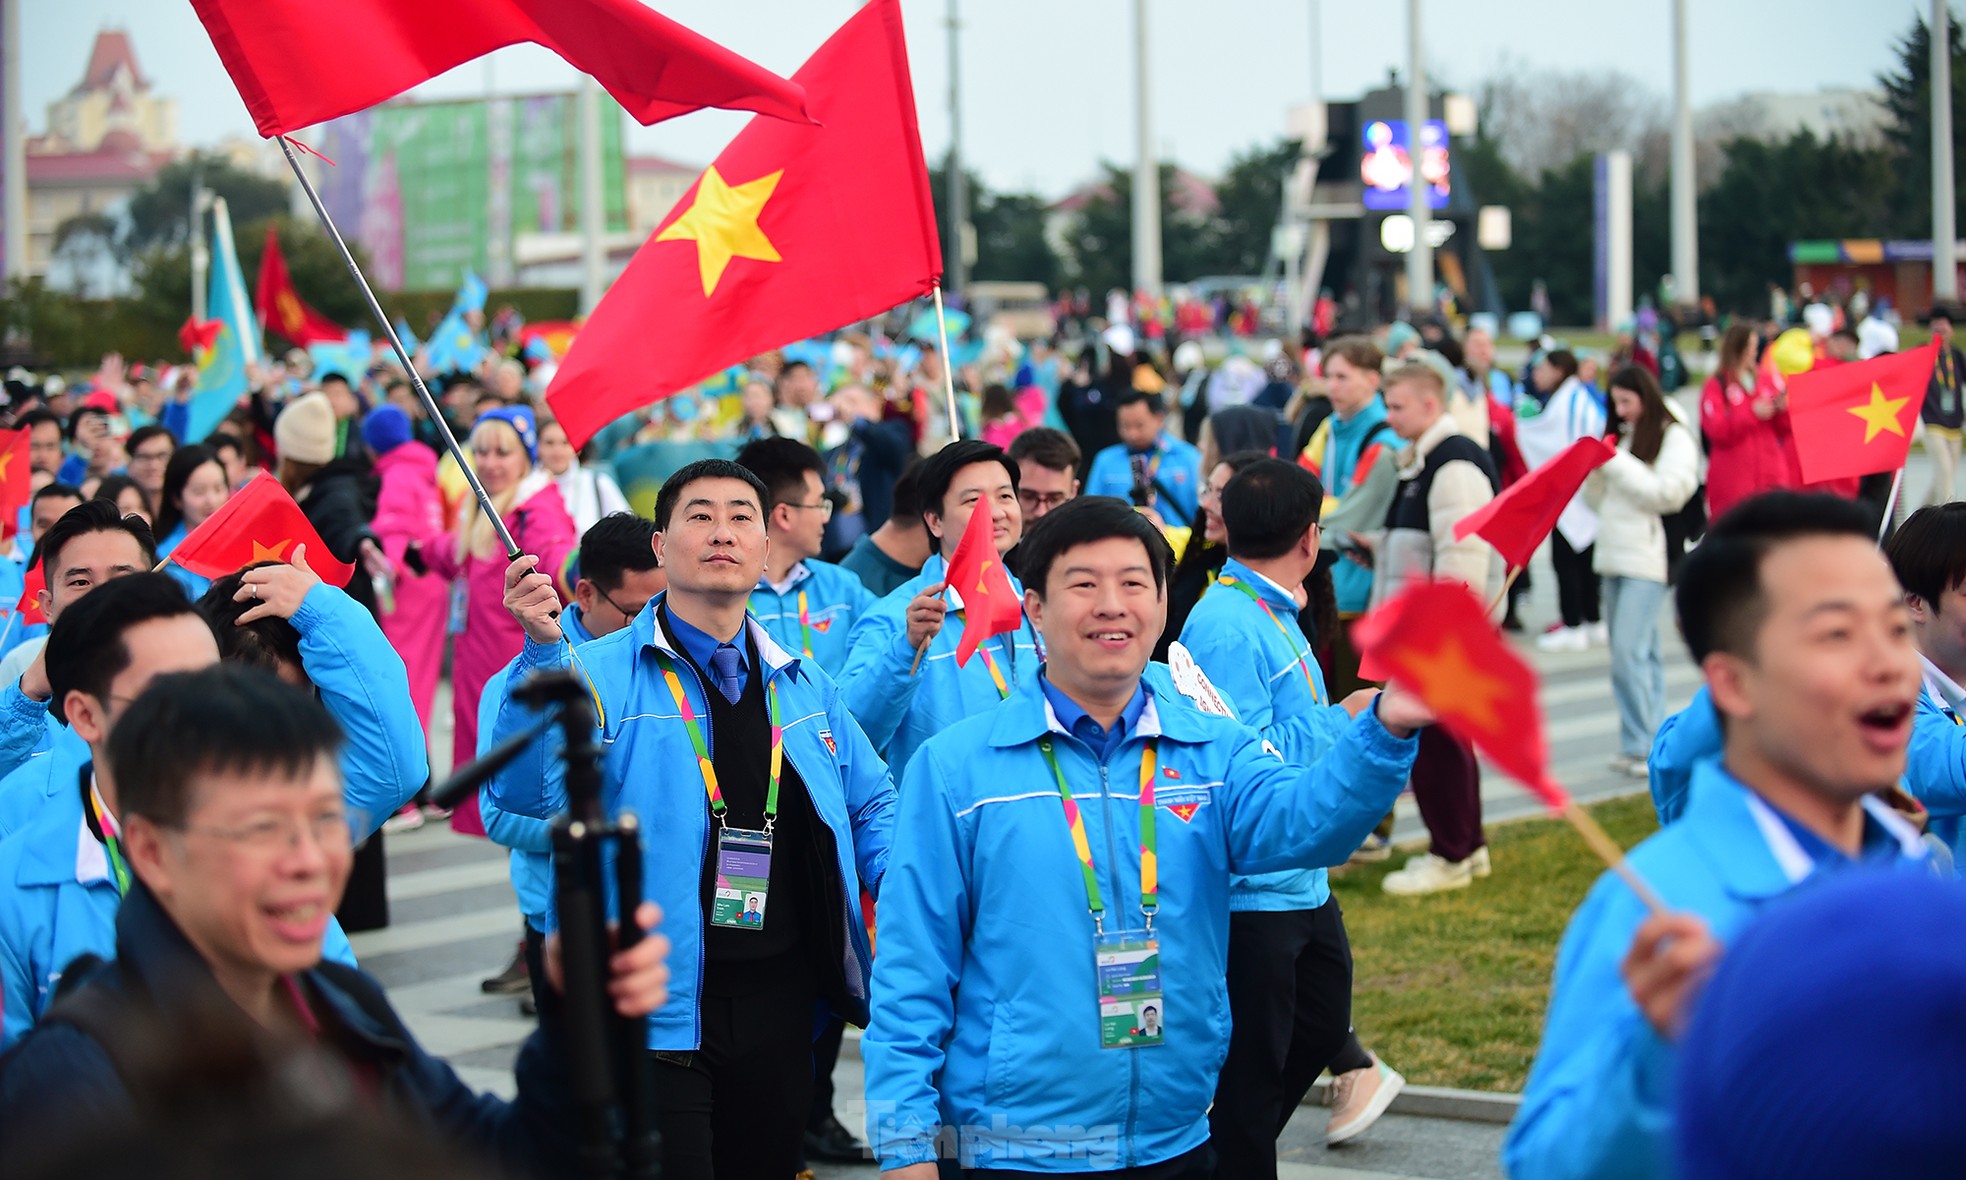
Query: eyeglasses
{"x": 1031, "y": 501}
{"x": 151, "y": 457}
{"x": 625, "y": 612}
{"x": 275, "y": 834}
{"x": 824, "y": 507}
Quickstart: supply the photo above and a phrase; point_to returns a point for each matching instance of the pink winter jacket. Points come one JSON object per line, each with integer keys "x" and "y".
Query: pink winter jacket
{"x": 409, "y": 511}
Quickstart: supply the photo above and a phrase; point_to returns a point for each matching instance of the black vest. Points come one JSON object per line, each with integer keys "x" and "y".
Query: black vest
{"x": 1409, "y": 507}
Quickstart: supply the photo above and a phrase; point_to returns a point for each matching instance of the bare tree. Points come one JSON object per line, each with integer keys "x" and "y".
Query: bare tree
{"x": 1544, "y": 119}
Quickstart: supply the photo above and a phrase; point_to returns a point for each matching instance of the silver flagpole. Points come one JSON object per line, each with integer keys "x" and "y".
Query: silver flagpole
{"x": 409, "y": 366}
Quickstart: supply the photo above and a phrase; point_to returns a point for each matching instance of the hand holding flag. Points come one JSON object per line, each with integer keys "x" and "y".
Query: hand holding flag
{"x": 260, "y": 522}
{"x": 1857, "y": 419}
{"x": 976, "y": 574}
{"x": 1436, "y": 640}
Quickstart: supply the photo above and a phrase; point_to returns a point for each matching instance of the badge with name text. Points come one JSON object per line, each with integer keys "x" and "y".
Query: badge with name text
{"x": 743, "y": 879}
{"x": 1132, "y": 1010}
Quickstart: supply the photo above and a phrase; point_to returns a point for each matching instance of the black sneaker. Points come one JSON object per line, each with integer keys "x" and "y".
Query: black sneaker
{"x": 511, "y": 981}
{"x": 834, "y": 1144}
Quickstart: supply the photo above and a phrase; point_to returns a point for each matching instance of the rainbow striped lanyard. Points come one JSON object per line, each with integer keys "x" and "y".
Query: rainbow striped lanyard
{"x": 718, "y": 807}
{"x": 1149, "y": 861}
{"x": 111, "y": 841}
{"x": 996, "y": 674}
{"x": 1302, "y": 657}
{"x": 805, "y": 627}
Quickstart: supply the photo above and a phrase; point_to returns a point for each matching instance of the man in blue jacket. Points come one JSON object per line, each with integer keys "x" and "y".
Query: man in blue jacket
{"x": 902, "y": 693}
{"x": 1805, "y": 642}
{"x": 1146, "y": 466}
{"x": 808, "y": 605}
{"x": 616, "y": 576}
{"x": 1928, "y": 553}
{"x": 1290, "y": 963}
{"x": 236, "y": 846}
{"x": 1063, "y": 864}
{"x": 753, "y": 781}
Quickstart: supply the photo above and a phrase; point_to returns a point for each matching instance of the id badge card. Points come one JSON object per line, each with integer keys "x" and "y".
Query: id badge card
{"x": 1132, "y": 1013}
{"x": 743, "y": 879}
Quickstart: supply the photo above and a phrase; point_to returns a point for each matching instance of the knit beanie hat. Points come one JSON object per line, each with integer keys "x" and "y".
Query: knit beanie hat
{"x": 385, "y": 429}
{"x": 306, "y": 430}
{"x": 520, "y": 419}
{"x": 1862, "y": 971}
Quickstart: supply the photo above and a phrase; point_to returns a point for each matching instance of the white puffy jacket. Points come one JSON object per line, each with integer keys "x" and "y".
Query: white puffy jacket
{"x": 1630, "y": 496}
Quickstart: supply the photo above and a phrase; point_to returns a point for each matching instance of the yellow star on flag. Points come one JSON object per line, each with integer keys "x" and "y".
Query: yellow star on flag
{"x": 269, "y": 553}
{"x": 983, "y": 586}
{"x": 6, "y": 460}
{"x": 1881, "y": 414}
{"x": 723, "y": 222}
{"x": 1450, "y": 681}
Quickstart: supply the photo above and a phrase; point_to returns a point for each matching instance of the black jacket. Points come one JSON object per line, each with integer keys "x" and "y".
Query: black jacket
{"x": 340, "y": 502}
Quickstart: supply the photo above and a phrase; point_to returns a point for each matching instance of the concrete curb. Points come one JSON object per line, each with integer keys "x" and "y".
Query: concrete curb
{"x": 1439, "y": 1102}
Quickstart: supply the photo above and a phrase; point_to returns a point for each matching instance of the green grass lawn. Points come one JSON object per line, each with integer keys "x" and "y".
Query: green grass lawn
{"x": 1450, "y": 989}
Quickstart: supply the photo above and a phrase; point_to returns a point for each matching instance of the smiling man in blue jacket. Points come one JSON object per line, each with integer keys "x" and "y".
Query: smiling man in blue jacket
{"x": 1062, "y": 866}
{"x": 1805, "y": 642}
{"x": 754, "y": 785}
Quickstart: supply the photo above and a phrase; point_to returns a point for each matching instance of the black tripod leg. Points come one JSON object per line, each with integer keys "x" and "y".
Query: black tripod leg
{"x": 639, "y": 1147}
{"x": 583, "y": 960}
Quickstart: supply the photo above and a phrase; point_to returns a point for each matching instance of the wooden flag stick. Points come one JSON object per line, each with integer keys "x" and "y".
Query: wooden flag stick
{"x": 1507, "y": 584}
{"x": 1614, "y": 856}
{"x": 948, "y": 381}
{"x": 159, "y": 567}
{"x": 918, "y": 655}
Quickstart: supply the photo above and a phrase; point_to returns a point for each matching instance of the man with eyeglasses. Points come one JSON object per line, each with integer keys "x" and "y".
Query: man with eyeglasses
{"x": 150, "y": 448}
{"x": 235, "y": 848}
{"x": 1047, "y": 470}
{"x": 807, "y": 604}
{"x": 615, "y": 574}
{"x": 65, "y": 872}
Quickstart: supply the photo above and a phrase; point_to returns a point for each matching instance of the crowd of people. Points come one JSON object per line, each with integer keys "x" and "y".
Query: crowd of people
{"x": 1107, "y": 825}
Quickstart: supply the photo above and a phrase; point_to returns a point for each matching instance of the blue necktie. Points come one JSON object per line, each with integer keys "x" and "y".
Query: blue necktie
{"x": 727, "y": 669}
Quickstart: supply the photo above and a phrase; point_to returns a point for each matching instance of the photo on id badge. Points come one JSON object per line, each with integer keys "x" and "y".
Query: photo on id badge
{"x": 743, "y": 879}
{"x": 1132, "y": 1008}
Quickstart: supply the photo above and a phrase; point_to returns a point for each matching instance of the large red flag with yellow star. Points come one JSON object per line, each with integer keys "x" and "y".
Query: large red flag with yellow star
{"x": 16, "y": 480}
{"x": 793, "y": 231}
{"x": 1435, "y": 640}
{"x": 976, "y": 574}
{"x": 1857, "y": 419}
{"x": 260, "y": 522}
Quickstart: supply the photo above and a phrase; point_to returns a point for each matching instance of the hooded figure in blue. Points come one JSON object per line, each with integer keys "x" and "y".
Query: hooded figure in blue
{"x": 902, "y": 694}
{"x": 993, "y": 1021}
{"x": 795, "y": 811}
{"x": 808, "y": 605}
{"x": 63, "y": 873}
{"x": 1804, "y": 639}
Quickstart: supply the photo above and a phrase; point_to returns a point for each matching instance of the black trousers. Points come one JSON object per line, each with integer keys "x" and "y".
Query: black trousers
{"x": 825, "y": 1057}
{"x": 736, "y": 1108}
{"x": 1290, "y": 998}
{"x": 1447, "y": 787}
{"x": 1576, "y": 582}
{"x": 1195, "y": 1165}
{"x": 544, "y": 997}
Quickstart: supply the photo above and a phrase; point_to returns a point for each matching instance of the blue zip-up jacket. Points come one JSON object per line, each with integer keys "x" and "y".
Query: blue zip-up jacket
{"x": 1935, "y": 768}
{"x": 1261, "y": 671}
{"x": 1599, "y": 1099}
{"x": 361, "y": 681}
{"x": 1353, "y": 452}
{"x": 58, "y": 900}
{"x": 987, "y": 1012}
{"x": 647, "y": 767}
{"x": 62, "y": 1080}
{"x": 900, "y": 711}
{"x": 1179, "y": 472}
{"x": 1686, "y": 739}
{"x": 529, "y": 837}
{"x": 194, "y": 585}
{"x": 835, "y": 599}
{"x": 26, "y": 729}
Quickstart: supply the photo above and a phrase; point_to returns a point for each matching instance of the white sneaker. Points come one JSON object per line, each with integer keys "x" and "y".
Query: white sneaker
{"x": 1564, "y": 639}
{"x": 1429, "y": 874}
{"x": 1358, "y": 1097}
{"x": 1478, "y": 863}
{"x": 1598, "y": 633}
{"x": 408, "y": 819}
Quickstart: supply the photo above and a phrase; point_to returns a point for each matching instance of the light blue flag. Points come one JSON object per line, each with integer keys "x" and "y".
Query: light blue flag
{"x": 222, "y": 369}
{"x": 922, "y": 327}
{"x": 471, "y": 293}
{"x": 349, "y": 357}
{"x": 453, "y": 346}
{"x": 403, "y": 333}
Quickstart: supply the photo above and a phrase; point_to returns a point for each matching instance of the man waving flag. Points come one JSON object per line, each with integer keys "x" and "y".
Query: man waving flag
{"x": 793, "y": 231}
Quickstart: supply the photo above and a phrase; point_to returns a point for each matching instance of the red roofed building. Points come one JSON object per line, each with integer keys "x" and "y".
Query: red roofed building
{"x": 106, "y": 138}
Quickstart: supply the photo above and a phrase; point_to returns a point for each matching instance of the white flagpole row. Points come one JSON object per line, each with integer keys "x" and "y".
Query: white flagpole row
{"x": 402, "y": 354}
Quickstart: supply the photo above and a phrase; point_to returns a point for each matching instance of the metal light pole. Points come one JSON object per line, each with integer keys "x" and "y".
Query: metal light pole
{"x": 1945, "y": 266}
{"x": 1146, "y": 171}
{"x": 1685, "y": 227}
{"x": 13, "y": 151}
{"x": 1420, "y": 259}
{"x": 958, "y": 182}
{"x": 201, "y": 258}
{"x": 593, "y": 275}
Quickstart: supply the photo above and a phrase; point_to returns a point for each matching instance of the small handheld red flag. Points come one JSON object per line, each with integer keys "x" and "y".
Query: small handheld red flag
{"x": 260, "y": 522}
{"x": 1435, "y": 639}
{"x": 280, "y": 307}
{"x": 1517, "y": 520}
{"x": 196, "y": 335}
{"x": 1857, "y": 419}
{"x": 792, "y": 231}
{"x": 27, "y": 611}
{"x": 16, "y": 479}
{"x": 290, "y": 58}
{"x": 976, "y": 574}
